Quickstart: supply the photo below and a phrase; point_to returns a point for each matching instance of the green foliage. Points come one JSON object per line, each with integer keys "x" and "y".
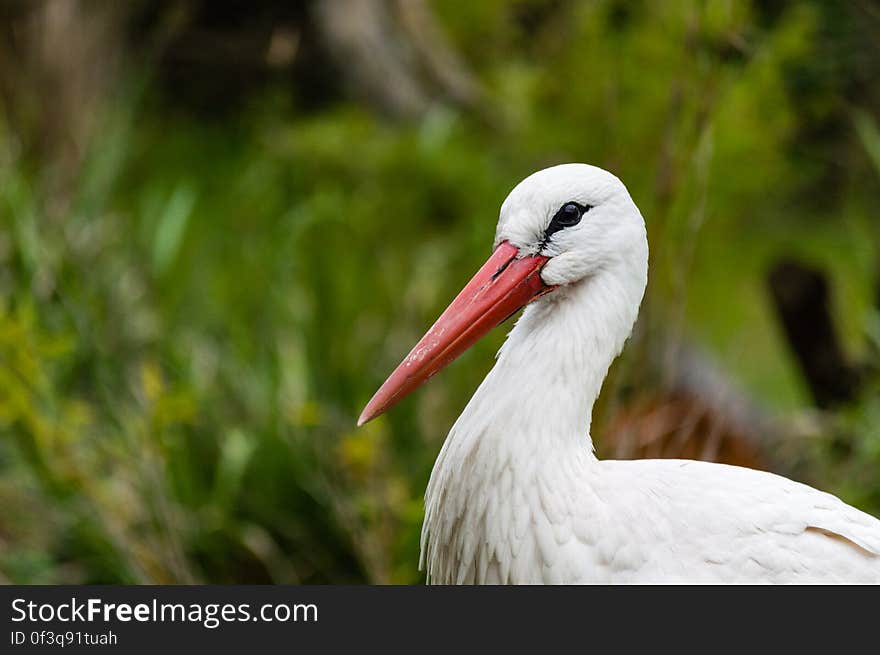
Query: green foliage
{"x": 188, "y": 336}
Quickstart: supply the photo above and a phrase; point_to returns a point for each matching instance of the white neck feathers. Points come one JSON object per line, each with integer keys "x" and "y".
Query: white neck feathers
{"x": 533, "y": 410}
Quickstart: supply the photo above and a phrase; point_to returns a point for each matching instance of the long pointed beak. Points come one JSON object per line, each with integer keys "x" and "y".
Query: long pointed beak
{"x": 503, "y": 285}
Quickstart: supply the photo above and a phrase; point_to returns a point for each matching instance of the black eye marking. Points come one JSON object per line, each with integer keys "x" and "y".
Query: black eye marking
{"x": 569, "y": 215}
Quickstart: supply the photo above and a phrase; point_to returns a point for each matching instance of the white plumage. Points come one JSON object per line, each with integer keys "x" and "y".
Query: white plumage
{"x": 517, "y": 494}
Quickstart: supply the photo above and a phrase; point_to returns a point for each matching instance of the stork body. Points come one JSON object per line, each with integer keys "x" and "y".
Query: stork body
{"x": 517, "y": 494}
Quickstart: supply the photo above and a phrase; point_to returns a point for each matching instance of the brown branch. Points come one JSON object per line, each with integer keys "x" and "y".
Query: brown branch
{"x": 802, "y": 300}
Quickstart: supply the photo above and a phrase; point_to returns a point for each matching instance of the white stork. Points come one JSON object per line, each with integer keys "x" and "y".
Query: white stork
{"x": 517, "y": 494}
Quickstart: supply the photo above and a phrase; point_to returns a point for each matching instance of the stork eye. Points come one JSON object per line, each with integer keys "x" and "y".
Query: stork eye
{"x": 569, "y": 214}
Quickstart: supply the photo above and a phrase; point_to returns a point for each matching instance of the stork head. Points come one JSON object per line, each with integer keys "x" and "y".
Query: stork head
{"x": 580, "y": 217}
{"x": 557, "y": 228}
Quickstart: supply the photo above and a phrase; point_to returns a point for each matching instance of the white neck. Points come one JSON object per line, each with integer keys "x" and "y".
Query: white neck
{"x": 551, "y": 368}
{"x": 533, "y": 410}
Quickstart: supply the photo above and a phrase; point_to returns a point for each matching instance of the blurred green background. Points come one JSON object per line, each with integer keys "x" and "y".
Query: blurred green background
{"x": 222, "y": 224}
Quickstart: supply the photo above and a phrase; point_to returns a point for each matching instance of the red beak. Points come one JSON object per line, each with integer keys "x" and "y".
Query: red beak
{"x": 503, "y": 285}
